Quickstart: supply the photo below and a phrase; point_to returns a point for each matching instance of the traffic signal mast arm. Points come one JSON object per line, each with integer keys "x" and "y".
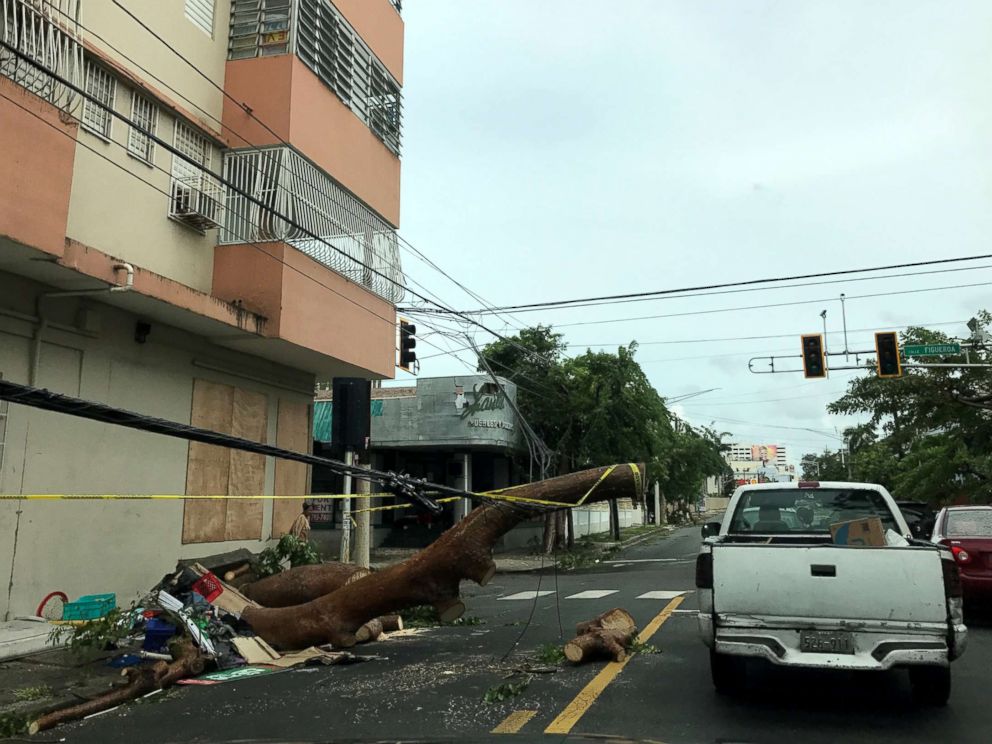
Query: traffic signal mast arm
{"x": 885, "y": 367}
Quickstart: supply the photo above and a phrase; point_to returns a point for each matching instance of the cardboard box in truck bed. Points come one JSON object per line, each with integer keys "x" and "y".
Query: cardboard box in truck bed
{"x": 865, "y": 533}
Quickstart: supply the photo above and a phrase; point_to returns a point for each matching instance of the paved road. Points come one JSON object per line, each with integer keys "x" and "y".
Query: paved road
{"x": 430, "y": 686}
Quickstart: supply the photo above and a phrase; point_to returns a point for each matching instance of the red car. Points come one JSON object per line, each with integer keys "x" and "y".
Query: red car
{"x": 967, "y": 531}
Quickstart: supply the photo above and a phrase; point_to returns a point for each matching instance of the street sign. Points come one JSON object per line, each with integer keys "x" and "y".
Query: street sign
{"x": 922, "y": 350}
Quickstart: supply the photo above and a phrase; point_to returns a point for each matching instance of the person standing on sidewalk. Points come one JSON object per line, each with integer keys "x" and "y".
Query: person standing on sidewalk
{"x": 301, "y": 527}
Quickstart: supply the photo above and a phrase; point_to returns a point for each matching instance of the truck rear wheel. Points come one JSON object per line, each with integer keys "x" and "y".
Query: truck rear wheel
{"x": 931, "y": 684}
{"x": 729, "y": 672}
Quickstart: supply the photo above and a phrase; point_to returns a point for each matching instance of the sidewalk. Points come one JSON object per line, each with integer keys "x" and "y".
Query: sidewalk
{"x": 23, "y": 637}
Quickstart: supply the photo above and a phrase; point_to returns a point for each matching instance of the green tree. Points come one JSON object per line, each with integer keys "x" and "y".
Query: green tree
{"x": 599, "y": 408}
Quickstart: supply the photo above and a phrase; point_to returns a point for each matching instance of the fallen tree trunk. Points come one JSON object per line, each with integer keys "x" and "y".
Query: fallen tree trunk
{"x": 598, "y": 644}
{"x": 302, "y": 584}
{"x": 141, "y": 681}
{"x": 432, "y": 576}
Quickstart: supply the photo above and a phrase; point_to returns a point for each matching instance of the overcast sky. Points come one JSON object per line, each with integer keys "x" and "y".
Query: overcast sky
{"x": 556, "y": 149}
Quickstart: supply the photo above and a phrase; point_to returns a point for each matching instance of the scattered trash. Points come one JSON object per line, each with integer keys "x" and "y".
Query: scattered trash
{"x": 157, "y": 635}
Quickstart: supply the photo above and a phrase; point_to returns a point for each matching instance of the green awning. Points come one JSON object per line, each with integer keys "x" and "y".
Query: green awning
{"x": 322, "y": 412}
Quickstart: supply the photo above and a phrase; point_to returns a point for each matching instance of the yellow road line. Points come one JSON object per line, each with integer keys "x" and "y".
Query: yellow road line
{"x": 514, "y": 722}
{"x": 567, "y": 719}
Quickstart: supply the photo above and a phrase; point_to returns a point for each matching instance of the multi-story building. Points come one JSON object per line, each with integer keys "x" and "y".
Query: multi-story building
{"x": 198, "y": 205}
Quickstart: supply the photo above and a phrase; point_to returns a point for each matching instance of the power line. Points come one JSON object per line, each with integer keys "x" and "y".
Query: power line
{"x": 771, "y": 305}
{"x": 743, "y": 283}
{"x": 774, "y": 335}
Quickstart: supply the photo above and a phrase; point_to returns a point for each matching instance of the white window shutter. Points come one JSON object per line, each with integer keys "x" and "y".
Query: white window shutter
{"x": 201, "y": 14}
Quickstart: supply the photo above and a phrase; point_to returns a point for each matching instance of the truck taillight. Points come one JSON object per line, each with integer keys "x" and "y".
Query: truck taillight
{"x": 961, "y": 555}
{"x": 952, "y": 579}
{"x": 704, "y": 571}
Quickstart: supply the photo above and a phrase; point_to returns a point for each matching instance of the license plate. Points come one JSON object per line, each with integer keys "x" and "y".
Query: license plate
{"x": 826, "y": 642}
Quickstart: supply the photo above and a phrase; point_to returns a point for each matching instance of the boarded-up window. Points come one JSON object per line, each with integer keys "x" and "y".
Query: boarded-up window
{"x": 213, "y": 470}
{"x": 292, "y": 478}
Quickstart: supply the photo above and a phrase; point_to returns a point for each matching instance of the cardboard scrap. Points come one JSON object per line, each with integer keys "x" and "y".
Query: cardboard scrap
{"x": 254, "y": 650}
{"x": 862, "y": 533}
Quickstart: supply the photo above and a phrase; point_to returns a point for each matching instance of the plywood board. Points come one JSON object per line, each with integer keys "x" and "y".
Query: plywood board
{"x": 208, "y": 467}
{"x": 249, "y": 421}
{"x": 293, "y": 433}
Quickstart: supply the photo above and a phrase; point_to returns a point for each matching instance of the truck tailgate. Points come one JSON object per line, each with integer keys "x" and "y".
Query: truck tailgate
{"x": 826, "y": 581}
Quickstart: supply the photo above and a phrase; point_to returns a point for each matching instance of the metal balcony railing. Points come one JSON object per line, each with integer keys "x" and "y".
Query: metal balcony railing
{"x": 353, "y": 240}
{"x": 47, "y": 32}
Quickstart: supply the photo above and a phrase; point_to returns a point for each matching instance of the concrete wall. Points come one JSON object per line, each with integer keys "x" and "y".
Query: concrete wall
{"x": 167, "y": 19}
{"x": 83, "y": 547}
{"x": 591, "y": 520}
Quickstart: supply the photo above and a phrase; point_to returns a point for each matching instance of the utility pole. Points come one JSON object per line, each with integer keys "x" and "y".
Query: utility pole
{"x": 349, "y": 459}
{"x": 659, "y": 518}
{"x": 843, "y": 314}
{"x": 363, "y": 523}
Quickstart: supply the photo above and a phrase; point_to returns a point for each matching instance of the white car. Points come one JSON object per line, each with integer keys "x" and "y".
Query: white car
{"x": 773, "y": 586}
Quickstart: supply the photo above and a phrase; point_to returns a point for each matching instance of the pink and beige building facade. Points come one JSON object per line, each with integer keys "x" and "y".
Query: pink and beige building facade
{"x": 199, "y": 233}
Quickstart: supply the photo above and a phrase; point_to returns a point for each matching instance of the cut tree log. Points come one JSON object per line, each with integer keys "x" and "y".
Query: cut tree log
{"x": 433, "y": 575}
{"x": 616, "y": 619}
{"x": 141, "y": 681}
{"x": 598, "y": 644}
{"x": 375, "y": 628}
{"x": 302, "y": 584}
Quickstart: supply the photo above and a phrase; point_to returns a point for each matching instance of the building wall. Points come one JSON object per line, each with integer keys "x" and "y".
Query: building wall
{"x": 378, "y": 22}
{"x": 207, "y": 54}
{"x": 135, "y": 228}
{"x": 84, "y": 547}
{"x": 298, "y": 108}
{"x": 435, "y": 417}
{"x": 35, "y": 170}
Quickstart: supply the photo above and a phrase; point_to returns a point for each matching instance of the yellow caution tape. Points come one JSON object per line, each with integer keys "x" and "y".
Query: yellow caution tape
{"x": 500, "y": 494}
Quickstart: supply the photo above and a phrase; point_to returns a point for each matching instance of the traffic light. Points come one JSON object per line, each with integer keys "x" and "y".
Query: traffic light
{"x": 408, "y": 342}
{"x": 814, "y": 362}
{"x": 887, "y": 351}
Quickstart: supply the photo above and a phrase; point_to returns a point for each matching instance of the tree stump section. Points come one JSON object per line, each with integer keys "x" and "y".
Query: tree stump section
{"x": 375, "y": 628}
{"x": 433, "y": 575}
{"x": 615, "y": 619}
{"x": 606, "y": 636}
{"x": 599, "y": 644}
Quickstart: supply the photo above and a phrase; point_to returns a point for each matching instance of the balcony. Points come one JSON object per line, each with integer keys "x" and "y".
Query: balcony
{"x": 47, "y": 32}
{"x": 353, "y": 241}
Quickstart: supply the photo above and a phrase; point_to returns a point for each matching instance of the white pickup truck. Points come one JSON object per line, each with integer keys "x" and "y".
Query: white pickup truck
{"x": 772, "y": 585}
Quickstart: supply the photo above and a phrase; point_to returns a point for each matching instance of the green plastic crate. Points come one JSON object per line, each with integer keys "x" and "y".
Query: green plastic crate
{"x": 89, "y": 607}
